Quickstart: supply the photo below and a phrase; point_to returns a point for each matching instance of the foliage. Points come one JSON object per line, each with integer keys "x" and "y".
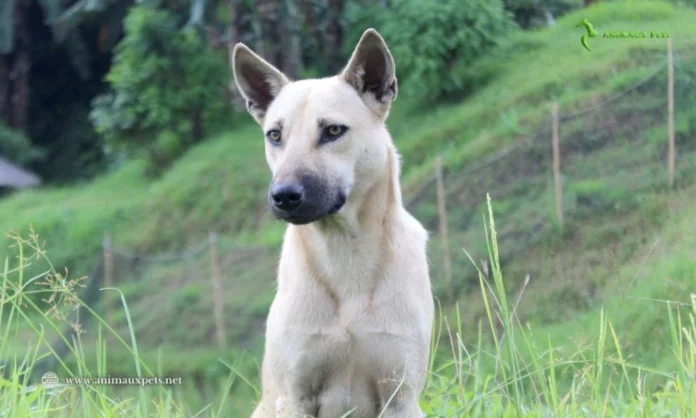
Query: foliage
{"x": 16, "y": 147}
{"x": 167, "y": 87}
{"x": 532, "y": 13}
{"x": 686, "y": 3}
{"x": 678, "y": 3}
{"x": 438, "y": 35}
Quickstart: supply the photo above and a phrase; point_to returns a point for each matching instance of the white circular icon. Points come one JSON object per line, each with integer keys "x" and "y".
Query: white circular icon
{"x": 49, "y": 378}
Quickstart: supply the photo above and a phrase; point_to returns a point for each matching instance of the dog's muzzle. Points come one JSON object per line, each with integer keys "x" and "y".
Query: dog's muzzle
{"x": 305, "y": 201}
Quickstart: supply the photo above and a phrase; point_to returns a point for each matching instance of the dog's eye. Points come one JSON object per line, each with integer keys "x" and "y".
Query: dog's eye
{"x": 333, "y": 132}
{"x": 273, "y": 136}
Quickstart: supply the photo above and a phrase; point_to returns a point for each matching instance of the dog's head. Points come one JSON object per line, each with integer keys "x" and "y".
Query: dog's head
{"x": 326, "y": 141}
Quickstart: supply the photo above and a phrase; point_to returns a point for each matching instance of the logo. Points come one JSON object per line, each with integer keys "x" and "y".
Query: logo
{"x": 591, "y": 32}
{"x": 49, "y": 378}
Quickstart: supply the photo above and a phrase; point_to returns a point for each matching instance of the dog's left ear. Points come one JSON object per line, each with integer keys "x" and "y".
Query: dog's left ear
{"x": 371, "y": 72}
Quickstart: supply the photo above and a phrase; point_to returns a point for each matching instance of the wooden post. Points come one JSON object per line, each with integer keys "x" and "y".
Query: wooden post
{"x": 108, "y": 276}
{"x": 442, "y": 211}
{"x": 217, "y": 293}
{"x": 557, "y": 166}
{"x": 670, "y": 112}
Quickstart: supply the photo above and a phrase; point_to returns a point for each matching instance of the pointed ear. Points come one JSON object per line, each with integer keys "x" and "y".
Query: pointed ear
{"x": 257, "y": 80}
{"x": 371, "y": 72}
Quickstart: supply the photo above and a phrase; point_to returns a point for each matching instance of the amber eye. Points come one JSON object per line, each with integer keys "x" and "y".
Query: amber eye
{"x": 335, "y": 130}
{"x": 274, "y": 135}
{"x": 332, "y": 133}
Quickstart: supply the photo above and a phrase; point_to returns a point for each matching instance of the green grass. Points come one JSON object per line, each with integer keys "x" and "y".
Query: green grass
{"x": 615, "y": 205}
{"x": 508, "y": 368}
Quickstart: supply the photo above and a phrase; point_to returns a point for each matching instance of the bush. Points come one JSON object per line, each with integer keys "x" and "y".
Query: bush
{"x": 167, "y": 86}
{"x": 15, "y": 146}
{"x": 438, "y": 35}
{"x": 532, "y": 13}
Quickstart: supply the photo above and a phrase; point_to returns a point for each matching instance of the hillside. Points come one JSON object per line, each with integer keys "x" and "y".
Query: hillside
{"x": 613, "y": 136}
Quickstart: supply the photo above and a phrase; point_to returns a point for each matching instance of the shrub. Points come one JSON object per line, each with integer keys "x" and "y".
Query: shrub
{"x": 438, "y": 36}
{"x": 167, "y": 85}
{"x": 15, "y": 146}
{"x": 532, "y": 13}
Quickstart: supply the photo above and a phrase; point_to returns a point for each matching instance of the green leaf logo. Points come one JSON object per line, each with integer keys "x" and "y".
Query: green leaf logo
{"x": 591, "y": 32}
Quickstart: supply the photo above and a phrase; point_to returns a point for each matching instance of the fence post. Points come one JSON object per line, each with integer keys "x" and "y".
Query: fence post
{"x": 217, "y": 293}
{"x": 557, "y": 165}
{"x": 670, "y": 112}
{"x": 108, "y": 275}
{"x": 442, "y": 212}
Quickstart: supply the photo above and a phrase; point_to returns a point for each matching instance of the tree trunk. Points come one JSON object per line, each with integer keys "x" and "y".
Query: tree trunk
{"x": 19, "y": 74}
{"x": 197, "y": 124}
{"x": 267, "y": 13}
{"x": 292, "y": 51}
{"x": 308, "y": 19}
{"x": 312, "y": 33}
{"x": 20, "y": 92}
{"x": 233, "y": 38}
{"x": 333, "y": 36}
{"x": 4, "y": 90}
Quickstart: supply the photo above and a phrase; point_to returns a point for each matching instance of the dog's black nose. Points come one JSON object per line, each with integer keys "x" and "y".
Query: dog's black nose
{"x": 287, "y": 196}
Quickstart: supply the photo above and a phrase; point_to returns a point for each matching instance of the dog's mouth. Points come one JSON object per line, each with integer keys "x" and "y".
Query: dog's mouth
{"x": 304, "y": 215}
{"x": 340, "y": 202}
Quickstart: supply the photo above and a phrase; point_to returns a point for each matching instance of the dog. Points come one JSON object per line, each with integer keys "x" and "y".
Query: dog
{"x": 349, "y": 331}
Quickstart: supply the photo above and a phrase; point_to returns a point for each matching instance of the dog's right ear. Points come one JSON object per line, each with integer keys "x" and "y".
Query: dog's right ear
{"x": 257, "y": 80}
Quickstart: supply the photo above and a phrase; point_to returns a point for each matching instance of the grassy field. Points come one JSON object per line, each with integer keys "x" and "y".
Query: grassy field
{"x": 509, "y": 369}
{"x": 623, "y": 245}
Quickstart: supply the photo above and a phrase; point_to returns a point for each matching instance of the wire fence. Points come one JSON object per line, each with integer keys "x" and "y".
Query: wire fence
{"x": 611, "y": 154}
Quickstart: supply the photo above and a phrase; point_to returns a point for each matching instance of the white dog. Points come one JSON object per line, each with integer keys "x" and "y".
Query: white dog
{"x": 350, "y": 327}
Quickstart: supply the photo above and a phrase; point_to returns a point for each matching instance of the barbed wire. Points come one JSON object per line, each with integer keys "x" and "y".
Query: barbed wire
{"x": 198, "y": 249}
{"x": 542, "y": 125}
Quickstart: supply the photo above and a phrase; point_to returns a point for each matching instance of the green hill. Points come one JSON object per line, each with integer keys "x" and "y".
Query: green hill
{"x": 613, "y": 140}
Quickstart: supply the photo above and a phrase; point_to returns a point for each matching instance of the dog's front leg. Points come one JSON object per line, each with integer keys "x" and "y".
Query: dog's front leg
{"x": 300, "y": 408}
{"x": 399, "y": 398}
{"x": 403, "y": 409}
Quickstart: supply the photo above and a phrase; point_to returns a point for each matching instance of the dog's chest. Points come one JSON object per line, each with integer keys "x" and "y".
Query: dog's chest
{"x": 347, "y": 338}
{"x": 339, "y": 357}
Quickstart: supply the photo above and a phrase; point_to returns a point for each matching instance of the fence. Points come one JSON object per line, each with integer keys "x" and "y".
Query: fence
{"x": 573, "y": 164}
{"x": 198, "y": 286}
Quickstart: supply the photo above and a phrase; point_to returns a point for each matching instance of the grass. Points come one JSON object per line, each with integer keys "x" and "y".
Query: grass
{"x": 509, "y": 369}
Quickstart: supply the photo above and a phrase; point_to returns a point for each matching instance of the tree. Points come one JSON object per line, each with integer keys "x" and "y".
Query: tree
{"x": 167, "y": 84}
{"x": 441, "y": 38}
{"x": 31, "y": 42}
{"x": 291, "y": 43}
{"x": 333, "y": 35}
{"x": 14, "y": 68}
{"x": 15, "y": 146}
{"x": 15, "y": 59}
{"x": 533, "y": 13}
